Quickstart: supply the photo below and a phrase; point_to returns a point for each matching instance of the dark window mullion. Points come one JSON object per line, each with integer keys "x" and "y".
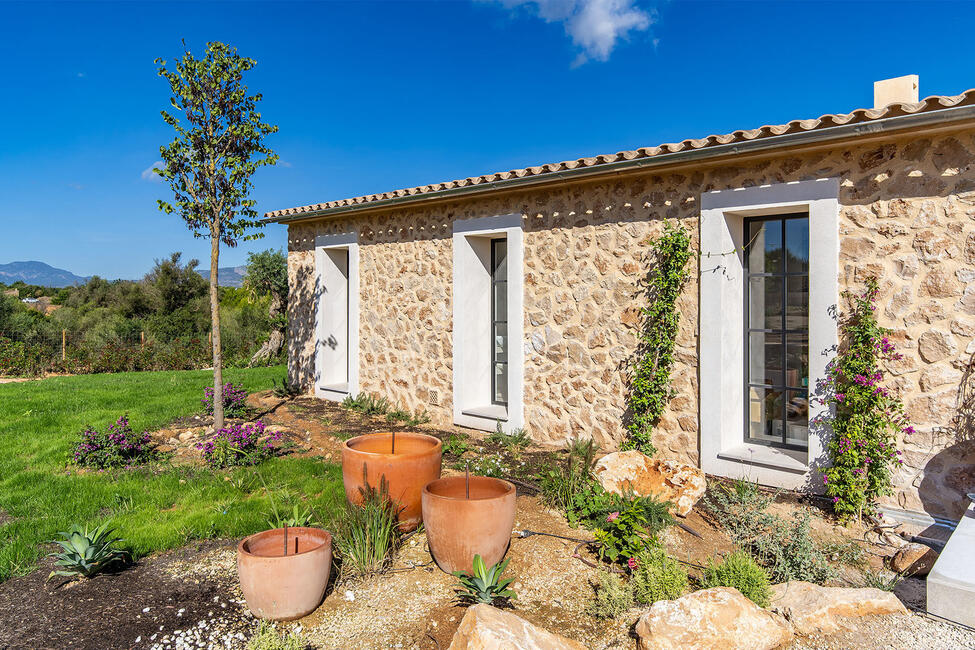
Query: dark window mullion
{"x": 784, "y": 305}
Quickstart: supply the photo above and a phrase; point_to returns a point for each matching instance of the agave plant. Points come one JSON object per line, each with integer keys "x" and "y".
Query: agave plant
{"x": 86, "y": 552}
{"x": 485, "y": 584}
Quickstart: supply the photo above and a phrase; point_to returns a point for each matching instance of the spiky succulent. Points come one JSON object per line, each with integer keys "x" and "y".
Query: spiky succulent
{"x": 86, "y": 552}
{"x": 485, "y": 584}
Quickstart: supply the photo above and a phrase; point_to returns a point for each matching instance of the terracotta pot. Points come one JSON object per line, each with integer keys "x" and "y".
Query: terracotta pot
{"x": 416, "y": 462}
{"x": 284, "y": 587}
{"x": 458, "y": 527}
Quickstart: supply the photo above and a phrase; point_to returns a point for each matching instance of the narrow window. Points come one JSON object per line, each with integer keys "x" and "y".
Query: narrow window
{"x": 777, "y": 331}
{"x": 499, "y": 322}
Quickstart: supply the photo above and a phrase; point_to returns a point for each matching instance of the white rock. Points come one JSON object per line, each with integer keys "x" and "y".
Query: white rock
{"x": 486, "y": 628}
{"x": 813, "y": 609}
{"x": 711, "y": 618}
{"x": 670, "y": 480}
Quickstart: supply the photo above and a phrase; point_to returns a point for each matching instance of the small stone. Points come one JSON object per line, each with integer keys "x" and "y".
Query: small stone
{"x": 349, "y": 596}
{"x": 914, "y": 560}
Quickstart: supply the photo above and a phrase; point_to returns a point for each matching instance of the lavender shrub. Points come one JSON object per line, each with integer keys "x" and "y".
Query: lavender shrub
{"x": 117, "y": 446}
{"x": 234, "y": 400}
{"x": 239, "y": 444}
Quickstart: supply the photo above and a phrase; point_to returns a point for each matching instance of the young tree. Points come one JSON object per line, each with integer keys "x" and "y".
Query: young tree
{"x": 267, "y": 275}
{"x": 218, "y": 147}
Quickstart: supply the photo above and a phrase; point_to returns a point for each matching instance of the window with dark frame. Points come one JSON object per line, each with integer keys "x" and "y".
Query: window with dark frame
{"x": 499, "y": 322}
{"x": 777, "y": 331}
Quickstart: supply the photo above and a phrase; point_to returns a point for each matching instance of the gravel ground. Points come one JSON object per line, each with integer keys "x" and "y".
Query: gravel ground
{"x": 899, "y": 631}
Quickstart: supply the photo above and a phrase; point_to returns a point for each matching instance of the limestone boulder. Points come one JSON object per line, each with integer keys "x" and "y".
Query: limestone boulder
{"x": 813, "y": 609}
{"x": 710, "y": 619}
{"x": 487, "y": 628}
{"x": 671, "y": 480}
{"x": 914, "y": 560}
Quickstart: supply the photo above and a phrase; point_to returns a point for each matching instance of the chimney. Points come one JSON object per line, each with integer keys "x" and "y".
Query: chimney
{"x": 899, "y": 90}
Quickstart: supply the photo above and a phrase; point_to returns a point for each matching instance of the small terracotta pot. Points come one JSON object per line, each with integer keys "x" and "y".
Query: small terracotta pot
{"x": 458, "y": 528}
{"x": 283, "y": 587}
{"x": 416, "y": 462}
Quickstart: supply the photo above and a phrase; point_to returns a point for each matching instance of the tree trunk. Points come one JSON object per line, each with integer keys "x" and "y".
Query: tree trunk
{"x": 275, "y": 341}
{"x": 215, "y": 328}
{"x": 270, "y": 348}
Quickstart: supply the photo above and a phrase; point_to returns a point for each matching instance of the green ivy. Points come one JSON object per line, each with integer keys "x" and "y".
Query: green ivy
{"x": 867, "y": 416}
{"x": 650, "y": 384}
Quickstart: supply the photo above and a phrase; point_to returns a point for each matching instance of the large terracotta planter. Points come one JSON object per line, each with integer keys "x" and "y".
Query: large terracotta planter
{"x": 284, "y": 587}
{"x": 416, "y": 462}
{"x": 458, "y": 527}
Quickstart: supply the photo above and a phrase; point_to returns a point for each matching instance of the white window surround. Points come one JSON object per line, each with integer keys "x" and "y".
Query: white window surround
{"x": 472, "y": 322}
{"x": 721, "y": 365}
{"x": 337, "y": 316}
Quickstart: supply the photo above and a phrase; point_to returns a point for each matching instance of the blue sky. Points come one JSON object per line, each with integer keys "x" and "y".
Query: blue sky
{"x": 376, "y": 96}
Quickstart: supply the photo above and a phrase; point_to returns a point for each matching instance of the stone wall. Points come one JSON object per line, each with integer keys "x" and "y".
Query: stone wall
{"x": 907, "y": 215}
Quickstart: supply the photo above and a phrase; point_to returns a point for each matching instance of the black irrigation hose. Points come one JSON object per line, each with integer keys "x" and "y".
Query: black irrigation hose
{"x": 582, "y": 542}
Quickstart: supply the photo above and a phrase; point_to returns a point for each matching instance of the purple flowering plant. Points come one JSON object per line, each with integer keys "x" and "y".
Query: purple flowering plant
{"x": 867, "y": 417}
{"x": 234, "y": 400}
{"x": 239, "y": 444}
{"x": 117, "y": 446}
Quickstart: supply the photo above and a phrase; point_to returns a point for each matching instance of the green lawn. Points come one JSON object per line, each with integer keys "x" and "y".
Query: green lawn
{"x": 153, "y": 509}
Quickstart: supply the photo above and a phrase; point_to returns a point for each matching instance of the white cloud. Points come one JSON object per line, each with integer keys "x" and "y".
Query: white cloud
{"x": 595, "y": 26}
{"x": 149, "y": 175}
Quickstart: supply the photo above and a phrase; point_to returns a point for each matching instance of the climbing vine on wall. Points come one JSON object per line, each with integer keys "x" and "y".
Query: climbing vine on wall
{"x": 650, "y": 389}
{"x": 867, "y": 416}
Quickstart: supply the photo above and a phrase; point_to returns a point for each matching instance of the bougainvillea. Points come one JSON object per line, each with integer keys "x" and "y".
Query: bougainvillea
{"x": 650, "y": 391}
{"x": 234, "y": 400}
{"x": 117, "y": 446}
{"x": 239, "y": 444}
{"x": 867, "y": 416}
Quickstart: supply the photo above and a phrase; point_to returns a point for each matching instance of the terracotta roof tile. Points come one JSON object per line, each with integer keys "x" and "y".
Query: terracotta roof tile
{"x": 933, "y": 103}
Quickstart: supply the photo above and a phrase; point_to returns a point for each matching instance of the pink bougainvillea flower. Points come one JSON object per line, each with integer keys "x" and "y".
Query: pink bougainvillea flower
{"x": 631, "y": 563}
{"x": 612, "y": 516}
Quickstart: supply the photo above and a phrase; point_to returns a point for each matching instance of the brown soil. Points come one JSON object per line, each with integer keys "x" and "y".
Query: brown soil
{"x": 132, "y": 608}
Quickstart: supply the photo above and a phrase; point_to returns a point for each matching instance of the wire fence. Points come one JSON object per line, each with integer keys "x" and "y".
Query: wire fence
{"x": 75, "y": 353}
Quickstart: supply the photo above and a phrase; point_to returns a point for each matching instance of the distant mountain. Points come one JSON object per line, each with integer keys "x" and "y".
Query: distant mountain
{"x": 227, "y": 276}
{"x": 38, "y": 273}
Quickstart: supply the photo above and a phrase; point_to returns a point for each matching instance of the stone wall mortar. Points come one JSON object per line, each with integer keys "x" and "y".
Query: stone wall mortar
{"x": 907, "y": 216}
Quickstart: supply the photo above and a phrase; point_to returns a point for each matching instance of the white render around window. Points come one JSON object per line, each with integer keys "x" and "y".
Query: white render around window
{"x": 723, "y": 448}
{"x": 337, "y": 316}
{"x": 472, "y": 344}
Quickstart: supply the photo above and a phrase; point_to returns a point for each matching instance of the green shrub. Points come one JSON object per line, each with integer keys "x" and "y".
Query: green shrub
{"x": 455, "y": 445}
{"x": 367, "y": 404}
{"x": 268, "y": 638}
{"x": 614, "y": 596}
{"x": 657, "y": 577}
{"x": 740, "y": 571}
{"x": 518, "y": 438}
{"x": 366, "y": 536}
{"x": 408, "y": 419}
{"x": 784, "y": 548}
{"x": 632, "y": 528}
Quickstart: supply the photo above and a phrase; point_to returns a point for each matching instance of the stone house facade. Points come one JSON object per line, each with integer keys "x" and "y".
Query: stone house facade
{"x": 415, "y": 294}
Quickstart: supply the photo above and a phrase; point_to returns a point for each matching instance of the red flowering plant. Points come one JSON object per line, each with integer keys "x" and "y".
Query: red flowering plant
{"x": 867, "y": 417}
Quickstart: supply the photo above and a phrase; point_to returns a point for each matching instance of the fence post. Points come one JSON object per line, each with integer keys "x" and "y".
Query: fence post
{"x": 142, "y": 339}
{"x": 64, "y": 343}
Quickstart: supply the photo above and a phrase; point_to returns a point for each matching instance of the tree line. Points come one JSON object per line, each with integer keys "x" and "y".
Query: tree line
{"x": 161, "y": 322}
